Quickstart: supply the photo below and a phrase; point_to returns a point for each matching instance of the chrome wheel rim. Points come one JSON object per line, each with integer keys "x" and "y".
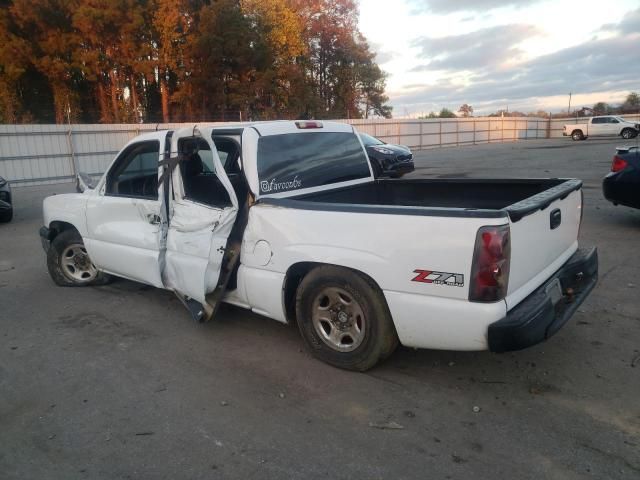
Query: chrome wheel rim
{"x": 626, "y": 134}
{"x": 76, "y": 264}
{"x": 338, "y": 319}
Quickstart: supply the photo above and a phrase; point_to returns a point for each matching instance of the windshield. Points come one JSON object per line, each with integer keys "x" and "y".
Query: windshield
{"x": 368, "y": 140}
{"x": 295, "y": 161}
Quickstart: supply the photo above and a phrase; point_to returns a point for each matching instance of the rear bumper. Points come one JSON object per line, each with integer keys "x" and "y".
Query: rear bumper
{"x": 621, "y": 192}
{"x": 536, "y": 318}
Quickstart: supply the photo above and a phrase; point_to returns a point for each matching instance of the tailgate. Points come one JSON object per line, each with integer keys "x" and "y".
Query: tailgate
{"x": 544, "y": 234}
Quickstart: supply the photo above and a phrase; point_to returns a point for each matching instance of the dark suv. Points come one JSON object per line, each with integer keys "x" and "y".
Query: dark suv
{"x": 6, "y": 208}
{"x": 386, "y": 159}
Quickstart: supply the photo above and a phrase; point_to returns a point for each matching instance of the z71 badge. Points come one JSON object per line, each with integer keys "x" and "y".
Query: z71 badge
{"x": 439, "y": 278}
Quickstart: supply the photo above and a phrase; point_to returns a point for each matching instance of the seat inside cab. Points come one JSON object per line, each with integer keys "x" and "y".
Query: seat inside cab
{"x": 201, "y": 183}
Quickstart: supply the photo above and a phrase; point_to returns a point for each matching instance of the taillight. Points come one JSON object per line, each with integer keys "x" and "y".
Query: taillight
{"x": 308, "y": 124}
{"x": 618, "y": 164}
{"x": 491, "y": 260}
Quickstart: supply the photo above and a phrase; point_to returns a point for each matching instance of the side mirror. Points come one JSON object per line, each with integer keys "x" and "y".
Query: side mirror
{"x": 84, "y": 182}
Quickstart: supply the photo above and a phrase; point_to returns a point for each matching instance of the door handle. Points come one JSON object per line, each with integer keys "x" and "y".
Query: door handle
{"x": 153, "y": 219}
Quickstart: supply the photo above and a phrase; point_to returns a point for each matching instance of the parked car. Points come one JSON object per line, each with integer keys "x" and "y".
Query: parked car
{"x": 609, "y": 125}
{"x": 286, "y": 219}
{"x": 387, "y": 160}
{"x": 6, "y": 205}
{"x": 621, "y": 186}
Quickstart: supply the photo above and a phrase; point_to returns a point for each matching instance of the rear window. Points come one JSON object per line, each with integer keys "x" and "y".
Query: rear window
{"x": 303, "y": 160}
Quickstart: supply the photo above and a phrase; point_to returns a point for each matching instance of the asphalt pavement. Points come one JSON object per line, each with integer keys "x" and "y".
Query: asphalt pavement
{"x": 117, "y": 382}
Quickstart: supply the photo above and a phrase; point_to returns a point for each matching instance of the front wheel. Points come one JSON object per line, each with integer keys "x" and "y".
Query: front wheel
{"x": 344, "y": 319}
{"x": 69, "y": 264}
{"x": 628, "y": 133}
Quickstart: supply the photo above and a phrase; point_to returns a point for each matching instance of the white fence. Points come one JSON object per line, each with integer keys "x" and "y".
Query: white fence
{"x": 45, "y": 154}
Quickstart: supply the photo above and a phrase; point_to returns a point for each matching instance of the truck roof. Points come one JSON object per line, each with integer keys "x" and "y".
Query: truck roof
{"x": 266, "y": 128}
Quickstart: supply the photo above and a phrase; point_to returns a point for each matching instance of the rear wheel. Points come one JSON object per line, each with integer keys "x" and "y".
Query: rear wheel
{"x": 69, "y": 264}
{"x": 577, "y": 135}
{"x": 628, "y": 133}
{"x": 344, "y": 319}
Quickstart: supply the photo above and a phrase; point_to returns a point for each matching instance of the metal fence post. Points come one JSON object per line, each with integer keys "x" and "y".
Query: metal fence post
{"x": 421, "y": 130}
{"x": 74, "y": 161}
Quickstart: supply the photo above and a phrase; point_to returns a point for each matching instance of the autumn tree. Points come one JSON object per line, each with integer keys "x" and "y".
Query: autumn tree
{"x": 179, "y": 60}
{"x": 172, "y": 25}
{"x": 372, "y": 86}
{"x": 466, "y": 110}
{"x": 601, "y": 108}
{"x": 631, "y": 103}
{"x": 109, "y": 51}
{"x": 14, "y": 63}
{"x": 279, "y": 43}
{"x": 446, "y": 113}
{"x": 339, "y": 63}
{"x": 47, "y": 27}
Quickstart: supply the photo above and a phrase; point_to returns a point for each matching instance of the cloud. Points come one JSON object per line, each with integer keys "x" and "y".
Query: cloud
{"x": 600, "y": 65}
{"x": 449, "y": 6}
{"x": 382, "y": 56}
{"x": 629, "y": 24}
{"x": 485, "y": 48}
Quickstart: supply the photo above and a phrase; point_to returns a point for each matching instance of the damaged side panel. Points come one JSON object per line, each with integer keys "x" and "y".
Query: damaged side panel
{"x": 195, "y": 235}
{"x": 195, "y": 245}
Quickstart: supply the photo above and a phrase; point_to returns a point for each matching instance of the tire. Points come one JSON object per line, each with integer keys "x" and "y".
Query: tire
{"x": 344, "y": 319}
{"x": 577, "y": 135}
{"x": 6, "y": 216}
{"x": 628, "y": 133}
{"x": 69, "y": 264}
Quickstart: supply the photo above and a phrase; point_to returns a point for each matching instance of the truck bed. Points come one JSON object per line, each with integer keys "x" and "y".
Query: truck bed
{"x": 455, "y": 197}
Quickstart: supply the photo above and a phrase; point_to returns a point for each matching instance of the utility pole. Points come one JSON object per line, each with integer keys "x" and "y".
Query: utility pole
{"x": 569, "y": 111}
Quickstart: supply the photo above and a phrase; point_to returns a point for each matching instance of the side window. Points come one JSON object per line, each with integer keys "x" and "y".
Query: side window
{"x": 599, "y": 120}
{"x": 135, "y": 173}
{"x": 613, "y": 120}
{"x": 201, "y": 184}
{"x": 229, "y": 153}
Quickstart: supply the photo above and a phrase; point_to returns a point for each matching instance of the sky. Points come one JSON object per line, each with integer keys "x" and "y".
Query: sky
{"x": 497, "y": 54}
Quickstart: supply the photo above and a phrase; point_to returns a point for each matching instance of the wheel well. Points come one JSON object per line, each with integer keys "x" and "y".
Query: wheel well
{"x": 293, "y": 278}
{"x": 56, "y": 227}
{"x": 576, "y": 130}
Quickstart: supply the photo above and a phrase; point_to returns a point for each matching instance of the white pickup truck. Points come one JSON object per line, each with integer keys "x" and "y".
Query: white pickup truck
{"x": 609, "y": 125}
{"x": 287, "y": 219}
